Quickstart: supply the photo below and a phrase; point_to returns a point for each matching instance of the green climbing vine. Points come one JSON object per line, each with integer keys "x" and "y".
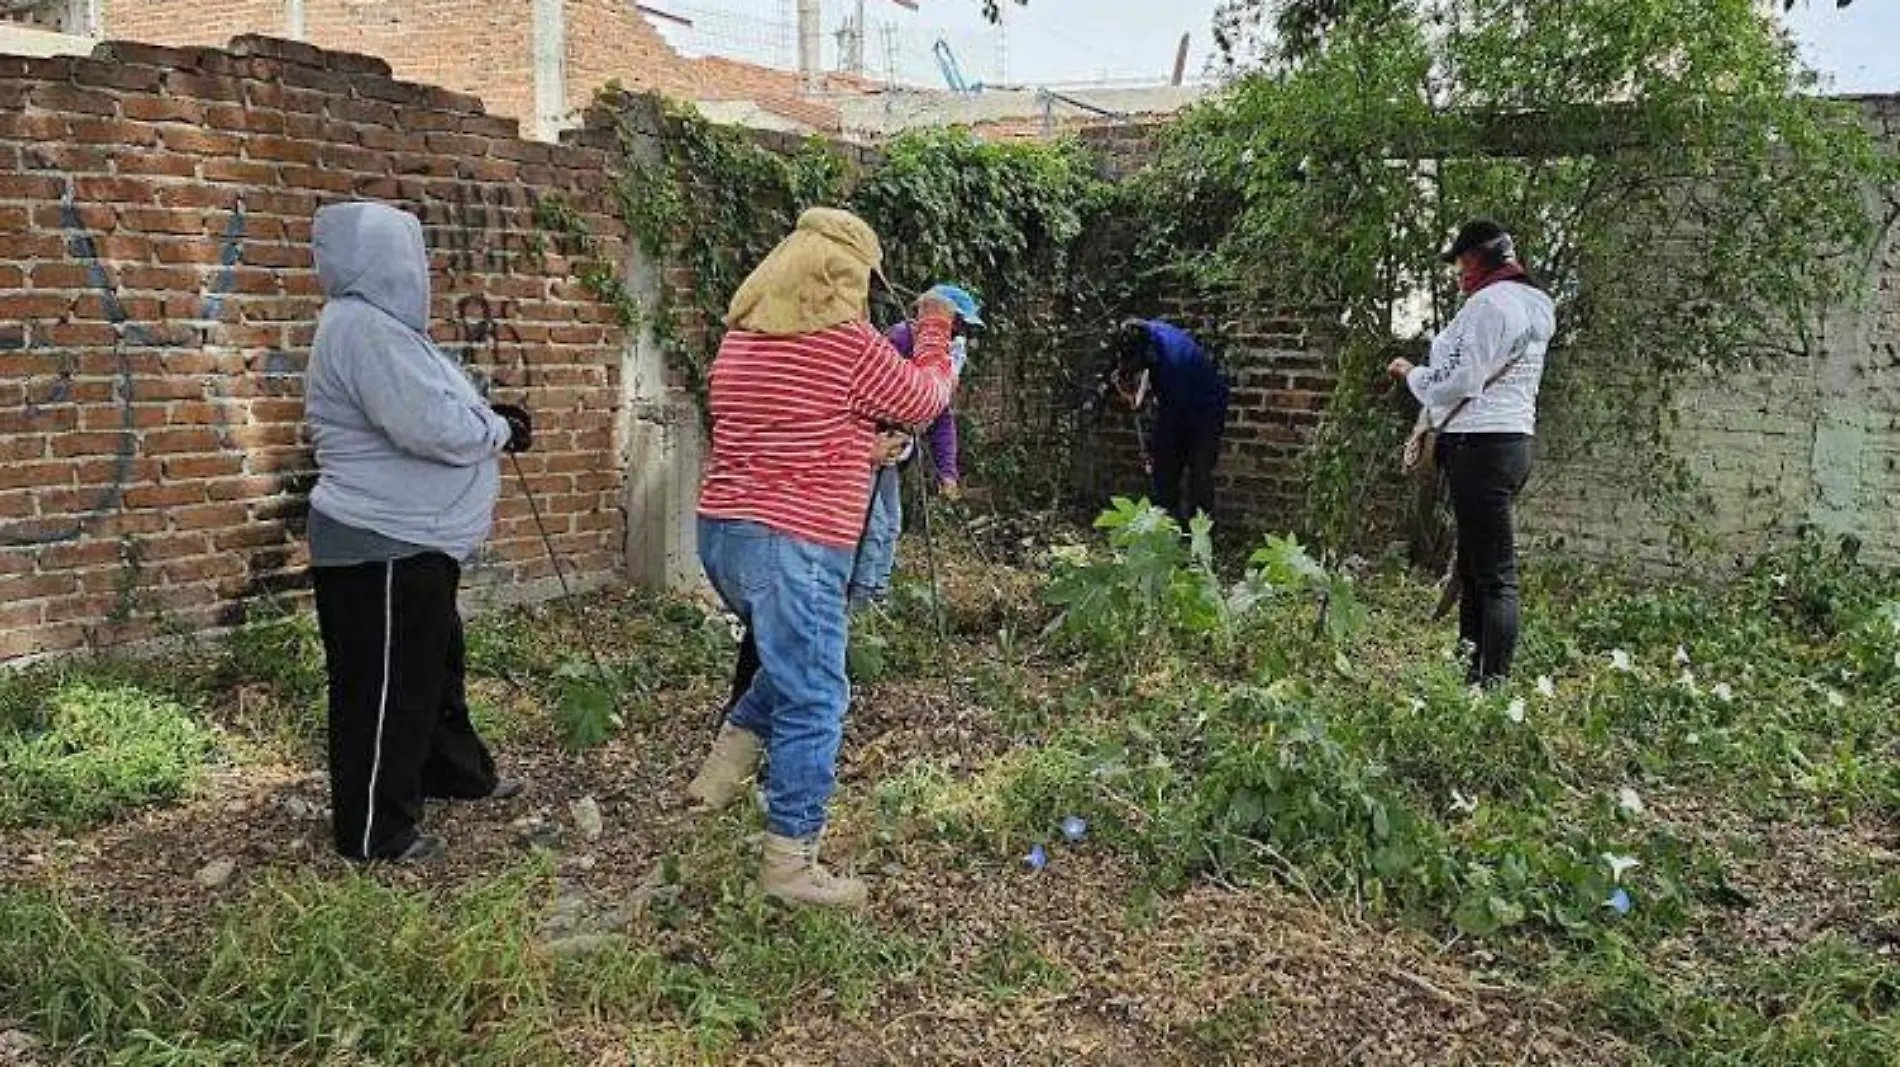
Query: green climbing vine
{"x": 712, "y": 201}
{"x": 600, "y": 278}
{"x": 1691, "y": 203}
{"x": 707, "y": 202}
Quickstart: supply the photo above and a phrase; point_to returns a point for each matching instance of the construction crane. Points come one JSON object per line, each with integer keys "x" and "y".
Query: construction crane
{"x": 952, "y": 70}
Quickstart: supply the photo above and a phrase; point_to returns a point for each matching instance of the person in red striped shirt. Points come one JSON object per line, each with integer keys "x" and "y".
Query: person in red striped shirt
{"x": 799, "y": 388}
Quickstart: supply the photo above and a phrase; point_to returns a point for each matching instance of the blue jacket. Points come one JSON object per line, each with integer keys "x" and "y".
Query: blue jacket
{"x": 1186, "y": 382}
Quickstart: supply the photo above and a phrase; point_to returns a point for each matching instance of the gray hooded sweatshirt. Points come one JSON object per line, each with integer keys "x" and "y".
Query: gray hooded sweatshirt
{"x": 406, "y": 447}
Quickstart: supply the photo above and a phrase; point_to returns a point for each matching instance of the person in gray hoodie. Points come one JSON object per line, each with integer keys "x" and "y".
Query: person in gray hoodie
{"x": 408, "y": 475}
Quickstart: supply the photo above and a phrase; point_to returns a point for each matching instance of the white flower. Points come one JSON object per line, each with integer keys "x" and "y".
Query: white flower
{"x": 1620, "y": 865}
{"x": 1687, "y": 681}
{"x": 1515, "y": 712}
{"x": 1620, "y": 660}
{"x": 1629, "y": 801}
{"x": 1722, "y": 692}
{"x": 1418, "y": 705}
{"x": 1835, "y": 699}
{"x": 1462, "y": 803}
{"x": 1693, "y": 738}
{"x": 1682, "y": 656}
{"x": 1545, "y": 687}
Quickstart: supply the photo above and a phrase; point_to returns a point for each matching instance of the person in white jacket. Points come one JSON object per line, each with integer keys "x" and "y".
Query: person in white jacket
{"x": 1479, "y": 391}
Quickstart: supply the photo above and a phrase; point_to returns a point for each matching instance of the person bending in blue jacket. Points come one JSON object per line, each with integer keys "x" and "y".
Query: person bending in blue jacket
{"x": 1162, "y": 362}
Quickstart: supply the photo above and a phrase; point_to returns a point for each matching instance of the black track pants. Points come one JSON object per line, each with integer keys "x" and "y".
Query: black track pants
{"x": 399, "y": 725}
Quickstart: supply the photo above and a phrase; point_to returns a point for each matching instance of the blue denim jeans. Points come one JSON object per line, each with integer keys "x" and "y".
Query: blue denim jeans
{"x": 877, "y": 552}
{"x": 790, "y": 594}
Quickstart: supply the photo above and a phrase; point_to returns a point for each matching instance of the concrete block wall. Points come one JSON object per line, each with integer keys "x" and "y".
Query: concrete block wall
{"x": 158, "y": 299}
{"x": 1746, "y": 442}
{"x": 1813, "y": 442}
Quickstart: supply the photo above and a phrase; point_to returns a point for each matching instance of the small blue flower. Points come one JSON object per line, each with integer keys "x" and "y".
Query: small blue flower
{"x": 1074, "y": 828}
{"x": 1619, "y": 902}
{"x": 1037, "y": 859}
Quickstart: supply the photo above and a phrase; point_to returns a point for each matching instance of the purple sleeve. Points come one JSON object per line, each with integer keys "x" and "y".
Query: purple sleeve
{"x": 902, "y": 338}
{"x": 943, "y": 447}
{"x": 942, "y": 434}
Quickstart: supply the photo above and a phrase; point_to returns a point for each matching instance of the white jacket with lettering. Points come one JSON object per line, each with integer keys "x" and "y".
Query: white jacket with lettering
{"x": 1504, "y": 320}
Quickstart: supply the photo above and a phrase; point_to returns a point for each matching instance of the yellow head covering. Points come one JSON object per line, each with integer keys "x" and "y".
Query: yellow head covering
{"x": 817, "y": 278}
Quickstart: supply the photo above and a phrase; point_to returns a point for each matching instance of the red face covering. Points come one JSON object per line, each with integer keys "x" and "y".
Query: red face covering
{"x": 1471, "y": 275}
{"x": 1474, "y": 274}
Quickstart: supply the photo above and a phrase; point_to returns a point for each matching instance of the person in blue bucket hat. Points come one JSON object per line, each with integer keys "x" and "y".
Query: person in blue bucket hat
{"x": 877, "y": 552}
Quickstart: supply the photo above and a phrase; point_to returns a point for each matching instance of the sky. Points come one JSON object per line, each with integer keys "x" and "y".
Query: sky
{"x": 1053, "y": 42}
{"x": 1857, "y": 49}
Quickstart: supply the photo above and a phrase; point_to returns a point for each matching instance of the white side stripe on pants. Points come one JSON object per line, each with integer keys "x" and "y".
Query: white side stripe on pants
{"x": 382, "y": 701}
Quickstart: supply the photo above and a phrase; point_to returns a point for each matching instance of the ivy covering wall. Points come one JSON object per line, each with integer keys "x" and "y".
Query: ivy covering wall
{"x": 1692, "y": 205}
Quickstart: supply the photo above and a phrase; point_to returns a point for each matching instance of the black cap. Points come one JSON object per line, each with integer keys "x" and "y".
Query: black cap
{"x": 1473, "y": 234}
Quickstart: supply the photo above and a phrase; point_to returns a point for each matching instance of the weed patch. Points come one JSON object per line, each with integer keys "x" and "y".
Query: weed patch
{"x": 1832, "y": 1004}
{"x": 95, "y": 750}
{"x": 302, "y": 971}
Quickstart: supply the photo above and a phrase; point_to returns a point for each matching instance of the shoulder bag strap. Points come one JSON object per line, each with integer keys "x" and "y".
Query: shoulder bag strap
{"x": 1488, "y": 383}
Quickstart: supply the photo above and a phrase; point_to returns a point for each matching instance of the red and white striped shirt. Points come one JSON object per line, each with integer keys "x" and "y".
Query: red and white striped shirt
{"x": 794, "y": 419}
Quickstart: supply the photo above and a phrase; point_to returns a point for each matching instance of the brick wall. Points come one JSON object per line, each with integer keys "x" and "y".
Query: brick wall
{"x": 1282, "y": 376}
{"x": 157, "y": 301}
{"x": 1280, "y": 367}
{"x": 608, "y": 40}
{"x": 481, "y": 48}
{"x": 194, "y": 22}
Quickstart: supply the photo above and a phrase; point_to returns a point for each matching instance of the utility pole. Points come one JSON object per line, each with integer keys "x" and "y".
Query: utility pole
{"x": 1002, "y": 44}
{"x": 888, "y": 32}
{"x": 810, "y": 31}
{"x": 851, "y": 40}
{"x": 550, "y": 68}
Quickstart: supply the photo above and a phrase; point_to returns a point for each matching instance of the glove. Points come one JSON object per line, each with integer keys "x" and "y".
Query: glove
{"x": 932, "y": 306}
{"x": 520, "y": 427}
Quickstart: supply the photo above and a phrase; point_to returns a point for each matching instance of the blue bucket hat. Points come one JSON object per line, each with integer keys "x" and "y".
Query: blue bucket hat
{"x": 967, "y": 308}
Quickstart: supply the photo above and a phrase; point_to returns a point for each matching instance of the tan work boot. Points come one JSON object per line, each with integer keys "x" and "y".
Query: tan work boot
{"x": 791, "y": 874}
{"x": 731, "y": 763}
